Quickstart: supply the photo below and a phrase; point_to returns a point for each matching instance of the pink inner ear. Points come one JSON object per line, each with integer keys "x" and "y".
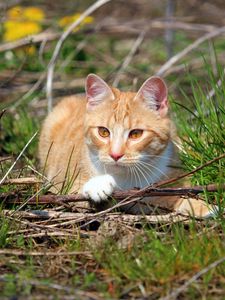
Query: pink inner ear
{"x": 154, "y": 93}
{"x": 97, "y": 90}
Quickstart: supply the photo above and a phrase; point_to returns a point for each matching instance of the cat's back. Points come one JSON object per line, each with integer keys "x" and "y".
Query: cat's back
{"x": 64, "y": 123}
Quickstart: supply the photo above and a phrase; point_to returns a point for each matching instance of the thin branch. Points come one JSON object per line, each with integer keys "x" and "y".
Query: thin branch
{"x": 22, "y": 180}
{"x": 172, "y": 180}
{"x": 39, "y": 253}
{"x": 75, "y": 218}
{"x": 129, "y": 57}
{"x": 59, "y": 44}
{"x": 33, "y": 88}
{"x": 2, "y": 113}
{"x": 182, "y": 288}
{"x": 33, "y": 39}
{"x": 18, "y": 157}
{"x": 188, "y": 49}
{"x": 120, "y": 195}
{"x": 129, "y": 28}
{"x": 78, "y": 294}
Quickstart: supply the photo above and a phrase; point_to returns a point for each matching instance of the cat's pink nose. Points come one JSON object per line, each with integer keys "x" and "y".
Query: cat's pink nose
{"x": 116, "y": 156}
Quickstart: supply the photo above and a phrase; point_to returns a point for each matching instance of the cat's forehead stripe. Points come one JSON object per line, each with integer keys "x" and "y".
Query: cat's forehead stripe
{"x": 122, "y": 108}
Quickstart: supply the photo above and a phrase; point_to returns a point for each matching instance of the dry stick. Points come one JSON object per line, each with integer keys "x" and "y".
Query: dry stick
{"x": 43, "y": 253}
{"x": 182, "y": 288}
{"x": 191, "y": 172}
{"x": 35, "y": 196}
{"x": 33, "y": 39}
{"x": 34, "y": 87}
{"x": 18, "y": 157}
{"x": 2, "y": 113}
{"x": 128, "y": 200}
{"x": 134, "y": 27}
{"x": 188, "y": 49}
{"x": 129, "y": 57}
{"x": 59, "y": 44}
{"x": 77, "y": 294}
{"x": 119, "y": 195}
{"x": 73, "y": 218}
{"x": 50, "y": 36}
{"x": 5, "y": 158}
{"x": 37, "y": 227}
{"x": 22, "y": 180}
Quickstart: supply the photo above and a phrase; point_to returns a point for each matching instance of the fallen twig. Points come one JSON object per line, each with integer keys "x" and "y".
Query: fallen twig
{"x": 128, "y": 28}
{"x": 60, "y": 42}
{"x": 22, "y": 180}
{"x": 183, "y": 287}
{"x": 188, "y": 49}
{"x": 172, "y": 180}
{"x": 18, "y": 157}
{"x": 76, "y": 218}
{"x": 76, "y": 293}
{"x": 39, "y": 253}
{"x": 2, "y": 113}
{"x": 129, "y": 57}
{"x": 120, "y": 195}
{"x": 5, "y": 158}
{"x": 33, "y": 39}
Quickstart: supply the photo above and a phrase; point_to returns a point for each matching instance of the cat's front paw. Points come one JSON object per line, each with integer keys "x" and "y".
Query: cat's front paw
{"x": 99, "y": 187}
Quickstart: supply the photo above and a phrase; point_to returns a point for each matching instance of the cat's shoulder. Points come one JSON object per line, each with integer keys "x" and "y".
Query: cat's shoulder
{"x": 67, "y": 108}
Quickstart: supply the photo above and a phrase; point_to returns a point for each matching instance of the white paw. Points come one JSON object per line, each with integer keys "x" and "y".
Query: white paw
{"x": 99, "y": 187}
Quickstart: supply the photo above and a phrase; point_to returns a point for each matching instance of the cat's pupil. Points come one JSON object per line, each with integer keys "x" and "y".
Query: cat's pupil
{"x": 103, "y": 132}
{"x": 135, "y": 133}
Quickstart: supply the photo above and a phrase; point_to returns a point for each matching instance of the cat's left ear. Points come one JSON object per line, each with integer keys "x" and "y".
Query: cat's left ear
{"x": 153, "y": 93}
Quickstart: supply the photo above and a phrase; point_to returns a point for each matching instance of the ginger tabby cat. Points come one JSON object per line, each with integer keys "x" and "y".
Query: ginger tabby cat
{"x": 114, "y": 140}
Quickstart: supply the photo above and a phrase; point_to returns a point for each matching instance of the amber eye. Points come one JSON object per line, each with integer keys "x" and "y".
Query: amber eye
{"x": 135, "y": 133}
{"x": 103, "y": 132}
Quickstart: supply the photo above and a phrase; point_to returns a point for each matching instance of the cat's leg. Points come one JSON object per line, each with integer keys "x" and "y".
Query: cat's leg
{"x": 195, "y": 207}
{"x": 98, "y": 188}
{"x": 185, "y": 205}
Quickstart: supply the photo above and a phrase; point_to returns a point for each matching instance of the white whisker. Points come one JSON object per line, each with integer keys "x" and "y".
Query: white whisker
{"x": 137, "y": 171}
{"x": 143, "y": 173}
{"x": 135, "y": 176}
{"x": 150, "y": 172}
{"x": 149, "y": 165}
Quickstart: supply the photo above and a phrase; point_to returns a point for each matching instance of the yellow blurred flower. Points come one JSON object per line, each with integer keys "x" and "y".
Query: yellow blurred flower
{"x": 15, "y": 12}
{"x": 15, "y": 30}
{"x": 67, "y": 20}
{"x": 33, "y": 14}
{"x": 22, "y": 22}
{"x": 29, "y": 13}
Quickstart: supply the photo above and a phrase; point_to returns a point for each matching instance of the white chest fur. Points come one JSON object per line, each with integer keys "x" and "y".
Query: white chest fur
{"x": 148, "y": 171}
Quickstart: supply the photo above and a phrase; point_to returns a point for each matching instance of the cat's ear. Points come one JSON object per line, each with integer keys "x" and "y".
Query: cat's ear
{"x": 97, "y": 91}
{"x": 153, "y": 93}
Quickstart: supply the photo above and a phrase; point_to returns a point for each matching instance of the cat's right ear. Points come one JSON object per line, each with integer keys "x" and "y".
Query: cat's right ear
{"x": 97, "y": 91}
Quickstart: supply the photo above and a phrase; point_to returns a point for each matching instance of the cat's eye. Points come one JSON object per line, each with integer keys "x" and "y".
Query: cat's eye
{"x": 103, "y": 132}
{"x": 135, "y": 133}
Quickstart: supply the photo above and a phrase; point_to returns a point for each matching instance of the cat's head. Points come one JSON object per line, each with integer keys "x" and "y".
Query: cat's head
{"x": 122, "y": 128}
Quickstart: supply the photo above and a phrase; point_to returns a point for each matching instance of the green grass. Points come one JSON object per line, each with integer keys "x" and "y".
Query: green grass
{"x": 159, "y": 258}
{"x": 201, "y": 124}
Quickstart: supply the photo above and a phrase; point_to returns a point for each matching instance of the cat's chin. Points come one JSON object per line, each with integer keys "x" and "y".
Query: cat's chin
{"x": 115, "y": 165}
